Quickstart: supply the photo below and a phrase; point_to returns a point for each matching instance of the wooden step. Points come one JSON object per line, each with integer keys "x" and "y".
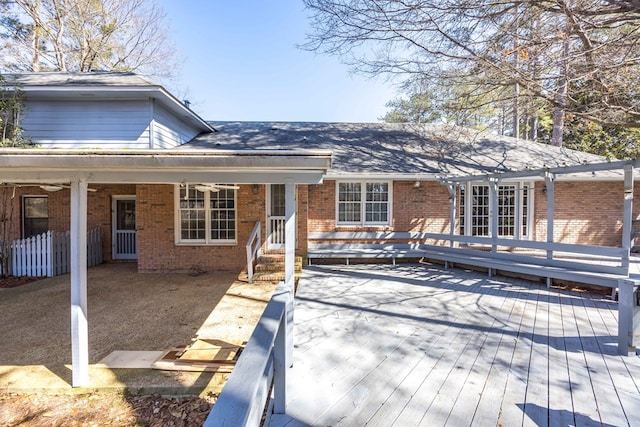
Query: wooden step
{"x": 266, "y": 276}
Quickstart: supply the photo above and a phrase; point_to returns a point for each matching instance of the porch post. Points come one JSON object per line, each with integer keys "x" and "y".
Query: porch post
{"x": 549, "y": 179}
{"x": 627, "y": 220}
{"x": 289, "y": 262}
{"x": 79, "y": 322}
{"x": 453, "y": 187}
{"x": 493, "y": 214}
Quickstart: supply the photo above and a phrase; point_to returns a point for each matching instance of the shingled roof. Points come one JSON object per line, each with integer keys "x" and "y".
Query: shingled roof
{"x": 416, "y": 150}
{"x": 66, "y": 79}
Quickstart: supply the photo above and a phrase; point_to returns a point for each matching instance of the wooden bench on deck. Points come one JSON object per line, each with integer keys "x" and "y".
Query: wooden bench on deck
{"x": 595, "y": 265}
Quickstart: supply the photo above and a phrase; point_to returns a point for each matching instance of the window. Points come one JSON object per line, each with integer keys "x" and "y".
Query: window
{"x": 513, "y": 210}
{"x": 207, "y": 217}
{"x": 363, "y": 203}
{"x": 35, "y": 215}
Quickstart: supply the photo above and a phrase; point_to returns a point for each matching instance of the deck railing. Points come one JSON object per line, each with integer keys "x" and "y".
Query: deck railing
{"x": 245, "y": 396}
{"x": 253, "y": 249}
{"x": 277, "y": 230}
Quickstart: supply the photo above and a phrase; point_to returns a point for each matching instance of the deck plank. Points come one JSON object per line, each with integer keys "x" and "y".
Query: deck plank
{"x": 378, "y": 345}
{"x": 513, "y": 399}
{"x": 560, "y": 401}
{"x": 536, "y": 404}
{"x": 582, "y": 394}
{"x": 488, "y": 408}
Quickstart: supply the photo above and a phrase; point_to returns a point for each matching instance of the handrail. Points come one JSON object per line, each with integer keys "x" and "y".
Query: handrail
{"x": 253, "y": 252}
{"x": 245, "y": 395}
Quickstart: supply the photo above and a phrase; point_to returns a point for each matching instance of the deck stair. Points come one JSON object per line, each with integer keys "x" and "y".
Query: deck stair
{"x": 270, "y": 268}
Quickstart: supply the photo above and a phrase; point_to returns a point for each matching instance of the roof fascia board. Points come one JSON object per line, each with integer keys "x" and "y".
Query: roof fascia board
{"x": 162, "y": 166}
{"x": 128, "y": 176}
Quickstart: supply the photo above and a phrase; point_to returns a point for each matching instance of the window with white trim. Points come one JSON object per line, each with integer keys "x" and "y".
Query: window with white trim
{"x": 363, "y": 203}
{"x": 207, "y": 217}
{"x": 35, "y": 215}
{"x": 514, "y": 205}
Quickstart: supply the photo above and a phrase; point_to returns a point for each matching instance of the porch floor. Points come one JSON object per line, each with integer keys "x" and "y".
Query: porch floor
{"x": 126, "y": 311}
{"x": 418, "y": 344}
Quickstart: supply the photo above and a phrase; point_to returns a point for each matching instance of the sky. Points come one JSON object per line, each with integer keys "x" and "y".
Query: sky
{"x": 240, "y": 62}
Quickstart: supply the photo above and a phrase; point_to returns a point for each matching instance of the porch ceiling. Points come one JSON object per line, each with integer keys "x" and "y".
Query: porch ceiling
{"x": 163, "y": 166}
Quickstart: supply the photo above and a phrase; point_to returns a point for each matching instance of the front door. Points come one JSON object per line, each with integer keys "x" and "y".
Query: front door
{"x": 275, "y": 216}
{"x": 124, "y": 228}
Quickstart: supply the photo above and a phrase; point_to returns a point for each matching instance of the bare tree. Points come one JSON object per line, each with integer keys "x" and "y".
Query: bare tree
{"x": 86, "y": 35}
{"x": 11, "y": 109}
{"x": 588, "y": 48}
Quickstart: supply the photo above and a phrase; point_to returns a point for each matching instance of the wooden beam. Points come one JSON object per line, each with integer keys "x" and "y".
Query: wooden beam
{"x": 627, "y": 219}
{"x": 79, "y": 319}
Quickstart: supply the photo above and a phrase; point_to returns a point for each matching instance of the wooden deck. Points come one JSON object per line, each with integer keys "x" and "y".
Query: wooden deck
{"x": 418, "y": 344}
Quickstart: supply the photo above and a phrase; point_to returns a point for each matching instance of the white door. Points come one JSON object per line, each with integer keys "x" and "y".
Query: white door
{"x": 125, "y": 245}
{"x": 275, "y": 216}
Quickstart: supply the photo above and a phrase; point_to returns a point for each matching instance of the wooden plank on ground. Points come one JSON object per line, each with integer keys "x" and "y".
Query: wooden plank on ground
{"x": 211, "y": 351}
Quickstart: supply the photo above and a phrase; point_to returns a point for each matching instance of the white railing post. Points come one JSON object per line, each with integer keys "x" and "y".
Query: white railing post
{"x": 253, "y": 251}
{"x": 289, "y": 261}
{"x": 280, "y": 366}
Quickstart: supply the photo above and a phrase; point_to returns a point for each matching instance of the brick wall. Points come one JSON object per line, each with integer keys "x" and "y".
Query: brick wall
{"x": 585, "y": 212}
{"x": 157, "y": 250}
{"x": 425, "y": 208}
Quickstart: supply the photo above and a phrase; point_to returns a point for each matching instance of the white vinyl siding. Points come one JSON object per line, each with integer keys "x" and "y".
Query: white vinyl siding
{"x": 88, "y": 124}
{"x": 168, "y": 130}
{"x": 363, "y": 203}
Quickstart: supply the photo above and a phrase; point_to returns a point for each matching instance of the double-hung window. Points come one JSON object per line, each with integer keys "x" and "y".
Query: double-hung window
{"x": 206, "y": 217}
{"x": 363, "y": 203}
{"x": 514, "y": 209}
{"x": 35, "y": 215}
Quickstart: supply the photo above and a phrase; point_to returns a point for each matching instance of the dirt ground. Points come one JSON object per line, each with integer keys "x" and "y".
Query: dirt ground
{"x": 126, "y": 311}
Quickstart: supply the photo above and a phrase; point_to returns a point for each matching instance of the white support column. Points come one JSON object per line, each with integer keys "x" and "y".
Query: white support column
{"x": 627, "y": 220}
{"x": 550, "y": 187}
{"x": 289, "y": 261}
{"x": 493, "y": 215}
{"x": 452, "y": 215}
{"x": 79, "y": 322}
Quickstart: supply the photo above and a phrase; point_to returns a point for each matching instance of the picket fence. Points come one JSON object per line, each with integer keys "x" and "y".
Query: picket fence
{"x": 49, "y": 254}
